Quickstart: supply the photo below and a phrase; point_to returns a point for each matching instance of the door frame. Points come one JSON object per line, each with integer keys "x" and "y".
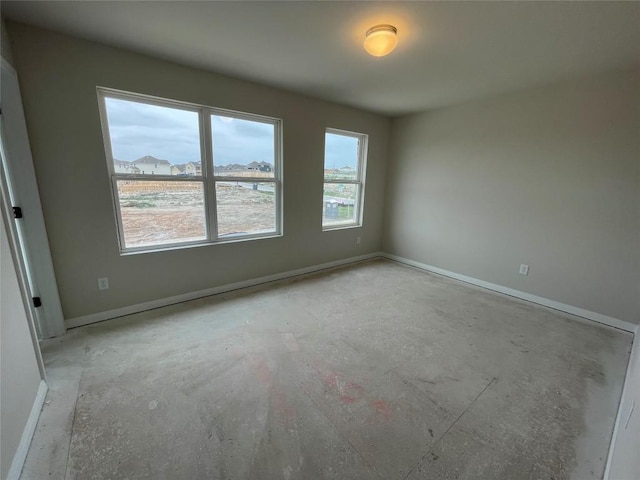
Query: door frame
{"x": 19, "y": 184}
{"x": 20, "y": 267}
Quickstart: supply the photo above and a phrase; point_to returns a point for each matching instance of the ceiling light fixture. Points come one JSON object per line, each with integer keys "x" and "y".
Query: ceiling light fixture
{"x": 381, "y": 40}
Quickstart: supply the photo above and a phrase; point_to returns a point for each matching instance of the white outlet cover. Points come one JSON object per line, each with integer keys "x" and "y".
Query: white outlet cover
{"x": 524, "y": 269}
{"x": 103, "y": 283}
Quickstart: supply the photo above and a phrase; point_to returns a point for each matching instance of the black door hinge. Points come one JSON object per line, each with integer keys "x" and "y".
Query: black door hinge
{"x": 37, "y": 302}
{"x": 17, "y": 212}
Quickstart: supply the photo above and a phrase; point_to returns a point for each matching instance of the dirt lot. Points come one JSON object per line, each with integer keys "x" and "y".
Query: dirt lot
{"x": 165, "y": 212}
{"x": 155, "y": 213}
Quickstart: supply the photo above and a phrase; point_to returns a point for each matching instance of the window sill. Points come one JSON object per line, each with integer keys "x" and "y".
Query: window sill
{"x": 204, "y": 243}
{"x": 345, "y": 226}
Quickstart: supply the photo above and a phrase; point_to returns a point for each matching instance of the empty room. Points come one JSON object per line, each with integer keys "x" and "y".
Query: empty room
{"x": 320, "y": 240}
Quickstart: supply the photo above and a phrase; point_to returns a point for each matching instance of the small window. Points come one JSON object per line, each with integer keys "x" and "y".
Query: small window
{"x": 344, "y": 166}
{"x": 188, "y": 174}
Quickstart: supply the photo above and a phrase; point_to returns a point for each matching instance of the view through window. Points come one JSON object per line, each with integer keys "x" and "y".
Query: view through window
{"x": 344, "y": 159}
{"x": 188, "y": 174}
{"x": 243, "y": 156}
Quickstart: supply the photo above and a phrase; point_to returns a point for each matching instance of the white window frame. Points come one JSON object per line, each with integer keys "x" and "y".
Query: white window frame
{"x": 363, "y": 146}
{"x": 207, "y": 178}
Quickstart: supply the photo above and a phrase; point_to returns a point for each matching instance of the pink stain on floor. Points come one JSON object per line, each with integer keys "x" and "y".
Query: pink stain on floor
{"x": 348, "y": 392}
{"x": 286, "y": 412}
{"x": 331, "y": 380}
{"x": 348, "y": 400}
{"x": 383, "y": 408}
{"x": 261, "y": 371}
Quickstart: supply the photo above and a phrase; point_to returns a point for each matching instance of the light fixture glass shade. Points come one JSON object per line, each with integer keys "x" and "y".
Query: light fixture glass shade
{"x": 380, "y": 40}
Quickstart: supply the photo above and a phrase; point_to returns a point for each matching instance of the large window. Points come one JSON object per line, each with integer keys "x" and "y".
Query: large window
{"x": 345, "y": 156}
{"x": 188, "y": 174}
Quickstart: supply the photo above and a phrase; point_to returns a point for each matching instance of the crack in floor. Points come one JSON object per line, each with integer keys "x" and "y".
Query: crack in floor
{"x": 424, "y": 457}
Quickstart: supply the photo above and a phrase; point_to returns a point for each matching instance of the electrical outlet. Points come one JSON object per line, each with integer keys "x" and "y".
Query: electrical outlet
{"x": 524, "y": 269}
{"x": 103, "y": 283}
{"x": 358, "y": 240}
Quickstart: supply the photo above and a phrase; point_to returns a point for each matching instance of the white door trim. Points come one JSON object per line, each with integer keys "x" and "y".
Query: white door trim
{"x": 22, "y": 187}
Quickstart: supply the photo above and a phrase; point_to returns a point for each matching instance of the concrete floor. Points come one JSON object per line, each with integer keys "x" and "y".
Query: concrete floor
{"x": 371, "y": 371}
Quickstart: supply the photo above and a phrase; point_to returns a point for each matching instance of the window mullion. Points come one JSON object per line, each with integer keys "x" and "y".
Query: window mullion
{"x": 210, "y": 183}
{"x": 118, "y": 213}
{"x": 158, "y": 178}
{"x": 247, "y": 179}
{"x": 350, "y": 182}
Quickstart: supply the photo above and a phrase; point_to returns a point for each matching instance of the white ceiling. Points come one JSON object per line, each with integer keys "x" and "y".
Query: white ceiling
{"x": 448, "y": 52}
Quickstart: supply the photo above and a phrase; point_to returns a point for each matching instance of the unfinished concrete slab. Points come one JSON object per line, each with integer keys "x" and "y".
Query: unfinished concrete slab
{"x": 376, "y": 370}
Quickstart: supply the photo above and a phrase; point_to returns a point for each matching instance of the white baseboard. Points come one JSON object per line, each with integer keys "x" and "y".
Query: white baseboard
{"x": 162, "y": 302}
{"x": 593, "y": 316}
{"x": 27, "y": 434}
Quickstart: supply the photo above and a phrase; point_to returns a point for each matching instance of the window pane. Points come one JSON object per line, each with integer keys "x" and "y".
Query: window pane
{"x": 157, "y": 213}
{"x": 339, "y": 204}
{"x": 245, "y": 208}
{"x": 242, "y": 148}
{"x": 152, "y": 140}
{"x": 340, "y": 157}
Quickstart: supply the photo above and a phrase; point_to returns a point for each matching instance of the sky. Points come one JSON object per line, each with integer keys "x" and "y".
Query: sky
{"x": 139, "y": 129}
{"x": 340, "y": 151}
{"x": 241, "y": 141}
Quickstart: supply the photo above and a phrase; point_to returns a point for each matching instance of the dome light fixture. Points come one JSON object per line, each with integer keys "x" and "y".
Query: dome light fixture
{"x": 381, "y": 40}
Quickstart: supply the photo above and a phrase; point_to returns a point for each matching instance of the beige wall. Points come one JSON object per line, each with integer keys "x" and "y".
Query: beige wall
{"x": 58, "y": 77}
{"x": 19, "y": 373}
{"x": 546, "y": 177}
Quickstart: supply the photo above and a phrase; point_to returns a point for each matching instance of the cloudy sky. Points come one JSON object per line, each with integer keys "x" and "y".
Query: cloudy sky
{"x": 138, "y": 129}
{"x": 241, "y": 141}
{"x": 340, "y": 151}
